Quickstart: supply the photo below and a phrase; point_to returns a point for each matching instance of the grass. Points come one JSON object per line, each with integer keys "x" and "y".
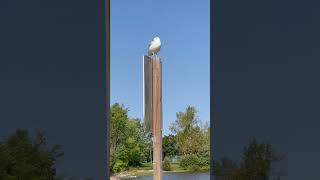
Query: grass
{"x": 148, "y": 166}
{"x": 176, "y": 168}
{"x": 146, "y": 170}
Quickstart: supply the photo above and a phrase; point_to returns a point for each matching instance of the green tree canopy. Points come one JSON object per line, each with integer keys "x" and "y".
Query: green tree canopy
{"x": 22, "y": 157}
{"x": 255, "y": 163}
{"x": 128, "y": 140}
{"x": 191, "y": 138}
{"x": 169, "y": 146}
{"x": 257, "y": 159}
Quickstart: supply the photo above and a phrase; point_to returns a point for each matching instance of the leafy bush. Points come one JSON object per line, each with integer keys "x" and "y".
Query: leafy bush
{"x": 119, "y": 166}
{"x": 166, "y": 165}
{"x": 193, "y": 162}
{"x": 204, "y": 160}
{"x": 187, "y": 161}
{"x": 122, "y": 153}
{"x": 134, "y": 152}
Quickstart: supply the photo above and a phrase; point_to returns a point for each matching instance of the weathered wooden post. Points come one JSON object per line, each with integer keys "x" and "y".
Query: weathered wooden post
{"x": 153, "y": 109}
{"x": 157, "y": 119}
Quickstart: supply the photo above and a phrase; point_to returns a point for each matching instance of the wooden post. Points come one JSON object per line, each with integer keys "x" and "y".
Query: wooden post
{"x": 157, "y": 119}
{"x": 147, "y": 93}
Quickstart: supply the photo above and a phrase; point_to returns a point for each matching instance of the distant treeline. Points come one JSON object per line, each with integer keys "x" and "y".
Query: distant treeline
{"x": 131, "y": 145}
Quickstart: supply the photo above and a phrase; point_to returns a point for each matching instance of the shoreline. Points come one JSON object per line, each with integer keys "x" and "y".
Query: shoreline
{"x": 143, "y": 173}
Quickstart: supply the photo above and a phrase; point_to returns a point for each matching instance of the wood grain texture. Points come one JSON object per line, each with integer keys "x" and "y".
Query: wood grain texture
{"x": 157, "y": 119}
{"x": 147, "y": 93}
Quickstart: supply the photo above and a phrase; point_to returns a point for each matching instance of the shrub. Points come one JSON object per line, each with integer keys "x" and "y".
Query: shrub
{"x": 166, "y": 165}
{"x": 119, "y": 166}
{"x": 187, "y": 161}
{"x": 193, "y": 162}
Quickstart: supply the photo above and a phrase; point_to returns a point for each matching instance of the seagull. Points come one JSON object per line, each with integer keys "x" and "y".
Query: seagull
{"x": 154, "y": 46}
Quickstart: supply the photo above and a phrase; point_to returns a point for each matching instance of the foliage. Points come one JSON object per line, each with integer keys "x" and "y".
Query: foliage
{"x": 257, "y": 159}
{"x": 119, "y": 166}
{"x": 256, "y": 163}
{"x": 118, "y": 121}
{"x": 168, "y": 146}
{"x": 225, "y": 169}
{"x": 194, "y": 162}
{"x": 192, "y": 141}
{"x": 129, "y": 144}
{"x": 25, "y": 158}
{"x": 166, "y": 165}
{"x": 189, "y": 161}
{"x": 134, "y": 152}
{"x": 191, "y": 138}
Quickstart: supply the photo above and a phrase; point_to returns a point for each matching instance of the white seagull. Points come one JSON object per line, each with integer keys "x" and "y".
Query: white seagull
{"x": 154, "y": 46}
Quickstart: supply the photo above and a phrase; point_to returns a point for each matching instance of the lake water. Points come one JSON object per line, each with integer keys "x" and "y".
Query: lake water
{"x": 179, "y": 176}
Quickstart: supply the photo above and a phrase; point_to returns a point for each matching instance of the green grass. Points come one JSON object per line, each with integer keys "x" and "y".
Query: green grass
{"x": 146, "y": 169}
{"x": 145, "y": 166}
{"x": 176, "y": 168}
{"x": 148, "y": 166}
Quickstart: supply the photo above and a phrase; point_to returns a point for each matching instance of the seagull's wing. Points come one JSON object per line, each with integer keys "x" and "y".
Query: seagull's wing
{"x": 150, "y": 43}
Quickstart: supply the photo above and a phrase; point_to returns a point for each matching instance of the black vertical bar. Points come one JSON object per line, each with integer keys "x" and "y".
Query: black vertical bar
{"x": 212, "y": 82}
{"x": 107, "y": 21}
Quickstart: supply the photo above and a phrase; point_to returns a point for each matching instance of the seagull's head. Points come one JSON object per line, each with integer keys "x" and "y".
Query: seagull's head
{"x": 156, "y": 39}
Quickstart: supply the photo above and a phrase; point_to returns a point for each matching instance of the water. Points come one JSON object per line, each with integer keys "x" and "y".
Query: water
{"x": 179, "y": 176}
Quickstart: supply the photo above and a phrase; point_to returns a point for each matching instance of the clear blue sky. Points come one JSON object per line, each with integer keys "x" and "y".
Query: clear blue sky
{"x": 184, "y": 29}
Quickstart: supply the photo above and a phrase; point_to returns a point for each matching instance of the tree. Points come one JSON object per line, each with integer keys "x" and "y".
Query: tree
{"x": 192, "y": 141}
{"x": 137, "y": 142}
{"x": 169, "y": 146}
{"x": 25, "y": 158}
{"x": 148, "y": 151}
{"x": 129, "y": 143}
{"x": 257, "y": 160}
{"x": 118, "y": 124}
{"x": 190, "y": 137}
{"x": 166, "y": 165}
{"x": 225, "y": 168}
{"x": 255, "y": 164}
